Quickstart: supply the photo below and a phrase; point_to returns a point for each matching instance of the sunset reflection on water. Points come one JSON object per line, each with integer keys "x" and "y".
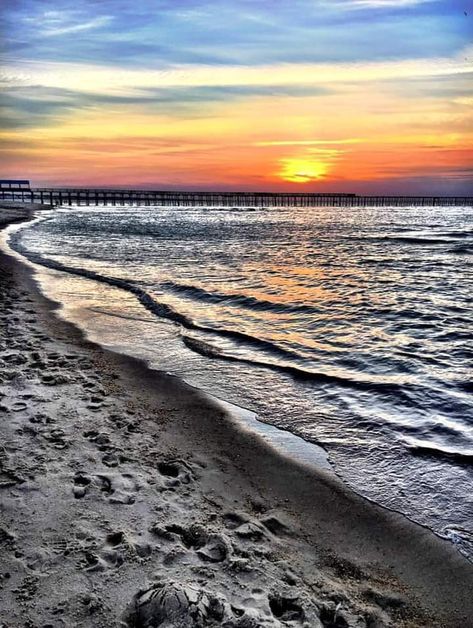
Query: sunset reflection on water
{"x": 349, "y": 328}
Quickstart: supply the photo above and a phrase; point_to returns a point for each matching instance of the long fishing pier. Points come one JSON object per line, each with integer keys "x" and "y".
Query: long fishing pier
{"x": 20, "y": 191}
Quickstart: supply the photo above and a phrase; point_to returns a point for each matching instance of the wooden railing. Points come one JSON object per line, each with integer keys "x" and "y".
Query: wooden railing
{"x": 118, "y": 197}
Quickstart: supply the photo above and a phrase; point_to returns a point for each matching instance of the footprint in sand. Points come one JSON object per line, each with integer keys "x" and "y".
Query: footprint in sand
{"x": 276, "y": 526}
{"x": 84, "y": 483}
{"x": 8, "y": 476}
{"x": 81, "y": 482}
{"x": 331, "y": 616}
{"x": 41, "y": 418}
{"x": 178, "y": 604}
{"x": 252, "y": 530}
{"x": 55, "y": 379}
{"x": 56, "y": 437}
{"x": 7, "y": 539}
{"x": 209, "y": 547}
{"x": 112, "y": 459}
{"x": 106, "y": 559}
{"x": 95, "y": 407}
{"x": 18, "y": 406}
{"x": 113, "y": 456}
{"x": 113, "y": 551}
{"x": 90, "y": 434}
{"x": 287, "y": 609}
{"x": 175, "y": 473}
{"x": 172, "y": 604}
{"x": 101, "y": 439}
{"x": 233, "y": 520}
{"x": 119, "y": 488}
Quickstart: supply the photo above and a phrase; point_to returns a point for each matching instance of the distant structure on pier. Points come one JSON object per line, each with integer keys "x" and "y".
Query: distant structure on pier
{"x": 20, "y": 190}
{"x": 14, "y": 185}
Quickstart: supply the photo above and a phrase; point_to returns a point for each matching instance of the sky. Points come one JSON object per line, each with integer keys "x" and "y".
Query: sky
{"x": 363, "y": 96}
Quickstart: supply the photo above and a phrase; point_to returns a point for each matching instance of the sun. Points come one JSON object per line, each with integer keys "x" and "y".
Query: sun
{"x": 301, "y": 170}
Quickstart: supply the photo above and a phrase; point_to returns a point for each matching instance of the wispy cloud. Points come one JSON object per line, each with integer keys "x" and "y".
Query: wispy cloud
{"x": 169, "y": 32}
{"x": 115, "y": 80}
{"x": 64, "y": 28}
{"x": 307, "y": 142}
{"x": 52, "y": 23}
{"x": 207, "y": 90}
{"x": 381, "y": 4}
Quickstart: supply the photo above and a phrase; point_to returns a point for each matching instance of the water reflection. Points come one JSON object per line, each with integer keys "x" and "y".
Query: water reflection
{"x": 348, "y": 329}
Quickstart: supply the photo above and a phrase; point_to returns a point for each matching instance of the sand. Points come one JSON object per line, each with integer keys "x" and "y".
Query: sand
{"x": 131, "y": 499}
{"x": 17, "y": 212}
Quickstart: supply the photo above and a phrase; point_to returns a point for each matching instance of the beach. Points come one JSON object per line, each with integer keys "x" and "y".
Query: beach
{"x": 132, "y": 499}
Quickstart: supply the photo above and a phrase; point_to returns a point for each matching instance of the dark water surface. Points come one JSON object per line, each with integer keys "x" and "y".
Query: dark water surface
{"x": 350, "y": 328}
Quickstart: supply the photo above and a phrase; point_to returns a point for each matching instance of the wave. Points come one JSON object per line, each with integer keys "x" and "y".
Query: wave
{"x": 414, "y": 239}
{"x": 433, "y": 451}
{"x": 163, "y": 310}
{"x": 99, "y": 310}
{"x": 236, "y": 300}
{"x": 160, "y": 309}
{"x": 211, "y": 351}
{"x": 466, "y": 386}
{"x": 462, "y": 249}
{"x": 440, "y": 238}
{"x": 467, "y": 233}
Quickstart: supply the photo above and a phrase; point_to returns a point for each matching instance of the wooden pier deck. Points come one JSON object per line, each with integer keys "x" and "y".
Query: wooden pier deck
{"x": 150, "y": 198}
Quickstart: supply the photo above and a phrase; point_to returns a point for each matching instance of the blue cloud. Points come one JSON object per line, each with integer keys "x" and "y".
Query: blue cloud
{"x": 164, "y": 32}
{"x": 39, "y": 106}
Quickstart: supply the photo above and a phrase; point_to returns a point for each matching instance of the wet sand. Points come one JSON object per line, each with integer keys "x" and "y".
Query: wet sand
{"x": 131, "y": 499}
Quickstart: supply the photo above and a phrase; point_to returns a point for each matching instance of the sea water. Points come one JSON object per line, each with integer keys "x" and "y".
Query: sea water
{"x": 350, "y": 328}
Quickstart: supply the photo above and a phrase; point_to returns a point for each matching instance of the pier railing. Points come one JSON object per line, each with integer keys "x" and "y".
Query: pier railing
{"x": 119, "y": 197}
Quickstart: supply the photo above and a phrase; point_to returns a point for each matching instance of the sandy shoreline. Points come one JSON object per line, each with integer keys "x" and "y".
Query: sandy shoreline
{"x": 129, "y": 497}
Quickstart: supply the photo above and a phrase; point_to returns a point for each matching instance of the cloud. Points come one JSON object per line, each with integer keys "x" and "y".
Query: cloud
{"x": 35, "y": 105}
{"x": 382, "y": 4}
{"x": 307, "y": 142}
{"x": 65, "y": 29}
{"x": 52, "y": 23}
{"x": 118, "y": 81}
{"x": 240, "y": 84}
{"x": 164, "y": 32}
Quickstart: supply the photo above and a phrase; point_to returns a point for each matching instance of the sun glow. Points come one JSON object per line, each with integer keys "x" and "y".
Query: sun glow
{"x": 300, "y": 170}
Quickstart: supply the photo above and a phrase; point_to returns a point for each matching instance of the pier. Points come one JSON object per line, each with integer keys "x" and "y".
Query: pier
{"x": 20, "y": 191}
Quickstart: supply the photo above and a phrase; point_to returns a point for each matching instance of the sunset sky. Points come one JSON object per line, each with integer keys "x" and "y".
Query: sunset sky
{"x": 309, "y": 95}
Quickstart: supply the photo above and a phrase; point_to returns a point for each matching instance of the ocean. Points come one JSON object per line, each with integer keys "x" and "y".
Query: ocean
{"x": 349, "y": 328}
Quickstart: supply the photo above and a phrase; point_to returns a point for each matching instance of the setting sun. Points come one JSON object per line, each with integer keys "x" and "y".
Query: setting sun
{"x": 302, "y": 170}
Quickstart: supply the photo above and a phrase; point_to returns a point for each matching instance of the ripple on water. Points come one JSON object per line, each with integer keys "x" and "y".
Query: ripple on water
{"x": 350, "y": 329}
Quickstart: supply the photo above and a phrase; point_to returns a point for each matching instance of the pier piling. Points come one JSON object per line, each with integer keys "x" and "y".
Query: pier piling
{"x": 14, "y": 190}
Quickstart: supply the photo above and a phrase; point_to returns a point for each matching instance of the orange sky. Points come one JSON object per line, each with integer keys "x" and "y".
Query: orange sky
{"x": 377, "y": 123}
